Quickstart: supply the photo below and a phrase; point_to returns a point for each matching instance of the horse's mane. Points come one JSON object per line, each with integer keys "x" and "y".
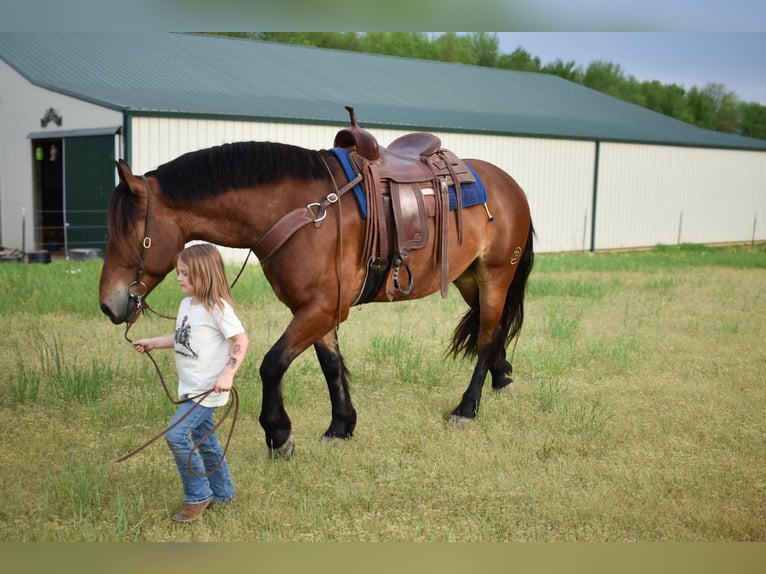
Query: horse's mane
{"x": 209, "y": 172}
{"x": 121, "y": 212}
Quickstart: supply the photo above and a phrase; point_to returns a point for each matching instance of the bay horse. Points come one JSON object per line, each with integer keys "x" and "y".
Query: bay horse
{"x": 232, "y": 194}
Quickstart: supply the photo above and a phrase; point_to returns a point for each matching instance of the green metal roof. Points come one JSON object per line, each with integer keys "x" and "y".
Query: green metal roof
{"x": 168, "y": 73}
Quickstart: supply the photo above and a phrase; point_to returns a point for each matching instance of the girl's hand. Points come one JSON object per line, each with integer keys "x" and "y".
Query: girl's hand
{"x": 222, "y": 384}
{"x": 141, "y": 346}
{"x": 162, "y": 342}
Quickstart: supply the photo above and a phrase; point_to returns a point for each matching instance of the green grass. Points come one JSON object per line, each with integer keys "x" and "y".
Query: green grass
{"x": 637, "y": 414}
{"x": 57, "y": 376}
{"x": 660, "y": 258}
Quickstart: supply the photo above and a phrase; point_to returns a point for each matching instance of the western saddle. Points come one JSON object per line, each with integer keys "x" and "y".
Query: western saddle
{"x": 405, "y": 184}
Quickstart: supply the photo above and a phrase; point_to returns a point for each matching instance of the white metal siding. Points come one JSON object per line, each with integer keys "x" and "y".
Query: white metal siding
{"x": 557, "y": 175}
{"x": 649, "y": 195}
{"x": 22, "y": 105}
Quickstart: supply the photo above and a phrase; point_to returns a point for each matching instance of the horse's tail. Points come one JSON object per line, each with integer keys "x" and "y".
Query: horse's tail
{"x": 465, "y": 339}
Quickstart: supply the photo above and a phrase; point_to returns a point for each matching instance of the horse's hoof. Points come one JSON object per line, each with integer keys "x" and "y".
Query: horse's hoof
{"x": 284, "y": 452}
{"x": 331, "y": 441}
{"x": 502, "y": 383}
{"x": 458, "y": 421}
{"x": 507, "y": 388}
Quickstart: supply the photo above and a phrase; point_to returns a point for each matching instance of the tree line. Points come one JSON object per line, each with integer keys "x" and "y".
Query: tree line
{"x": 711, "y": 107}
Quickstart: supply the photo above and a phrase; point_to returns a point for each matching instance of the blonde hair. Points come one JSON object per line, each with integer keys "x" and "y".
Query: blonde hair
{"x": 207, "y": 274}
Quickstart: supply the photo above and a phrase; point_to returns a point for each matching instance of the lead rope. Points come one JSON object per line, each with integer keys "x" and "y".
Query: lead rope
{"x": 201, "y": 396}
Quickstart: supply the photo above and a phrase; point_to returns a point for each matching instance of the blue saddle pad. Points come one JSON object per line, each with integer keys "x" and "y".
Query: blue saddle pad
{"x": 472, "y": 193}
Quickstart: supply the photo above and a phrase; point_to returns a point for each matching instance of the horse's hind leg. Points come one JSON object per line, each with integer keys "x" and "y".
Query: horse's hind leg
{"x": 336, "y": 374}
{"x": 469, "y": 404}
{"x": 501, "y": 371}
{"x": 483, "y": 319}
{"x": 495, "y": 297}
{"x": 490, "y": 360}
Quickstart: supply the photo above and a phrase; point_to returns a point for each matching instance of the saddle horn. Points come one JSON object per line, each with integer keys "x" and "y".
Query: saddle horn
{"x": 357, "y": 139}
{"x": 353, "y": 116}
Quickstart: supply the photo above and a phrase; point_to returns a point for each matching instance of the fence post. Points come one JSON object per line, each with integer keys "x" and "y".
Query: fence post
{"x": 23, "y": 232}
{"x": 680, "y": 224}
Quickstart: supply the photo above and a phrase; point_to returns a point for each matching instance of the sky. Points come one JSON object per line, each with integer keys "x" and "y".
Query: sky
{"x": 735, "y": 59}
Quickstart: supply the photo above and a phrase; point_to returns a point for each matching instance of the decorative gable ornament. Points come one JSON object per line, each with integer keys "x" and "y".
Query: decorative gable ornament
{"x": 51, "y": 115}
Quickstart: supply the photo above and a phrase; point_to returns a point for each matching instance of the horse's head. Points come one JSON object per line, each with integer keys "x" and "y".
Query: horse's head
{"x": 144, "y": 241}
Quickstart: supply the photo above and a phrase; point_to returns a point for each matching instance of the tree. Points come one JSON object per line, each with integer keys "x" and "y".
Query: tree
{"x": 605, "y": 77}
{"x": 334, "y": 40}
{"x": 631, "y": 90}
{"x": 724, "y": 107}
{"x": 520, "y": 60}
{"x": 403, "y": 44}
{"x": 701, "y": 108}
{"x": 666, "y": 99}
{"x": 752, "y": 120}
{"x": 568, "y": 71}
{"x": 452, "y": 47}
{"x": 485, "y": 46}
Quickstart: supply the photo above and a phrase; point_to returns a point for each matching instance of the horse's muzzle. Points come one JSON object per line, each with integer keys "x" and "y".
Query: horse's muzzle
{"x": 128, "y": 312}
{"x": 108, "y": 312}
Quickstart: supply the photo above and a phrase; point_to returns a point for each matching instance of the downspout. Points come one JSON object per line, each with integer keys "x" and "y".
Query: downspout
{"x": 595, "y": 198}
{"x": 127, "y": 136}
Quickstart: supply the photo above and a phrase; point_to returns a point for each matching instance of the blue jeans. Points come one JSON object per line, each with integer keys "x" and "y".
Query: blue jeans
{"x": 181, "y": 440}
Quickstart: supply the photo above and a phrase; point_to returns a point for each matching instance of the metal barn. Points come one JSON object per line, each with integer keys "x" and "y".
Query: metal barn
{"x": 599, "y": 173}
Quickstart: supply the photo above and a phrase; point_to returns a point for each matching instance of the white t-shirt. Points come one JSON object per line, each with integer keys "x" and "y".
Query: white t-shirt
{"x": 202, "y": 348}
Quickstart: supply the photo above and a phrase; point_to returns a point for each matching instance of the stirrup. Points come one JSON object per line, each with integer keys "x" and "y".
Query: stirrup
{"x": 398, "y": 263}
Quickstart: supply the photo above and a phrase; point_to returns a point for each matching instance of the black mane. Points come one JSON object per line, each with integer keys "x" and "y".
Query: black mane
{"x": 121, "y": 213}
{"x": 209, "y": 172}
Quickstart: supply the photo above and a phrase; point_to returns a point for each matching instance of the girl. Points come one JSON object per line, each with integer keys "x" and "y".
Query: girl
{"x": 210, "y": 345}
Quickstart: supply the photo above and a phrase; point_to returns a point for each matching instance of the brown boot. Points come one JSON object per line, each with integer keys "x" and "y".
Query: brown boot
{"x": 191, "y": 512}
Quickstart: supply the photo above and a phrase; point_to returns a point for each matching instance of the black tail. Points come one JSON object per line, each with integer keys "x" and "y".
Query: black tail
{"x": 465, "y": 339}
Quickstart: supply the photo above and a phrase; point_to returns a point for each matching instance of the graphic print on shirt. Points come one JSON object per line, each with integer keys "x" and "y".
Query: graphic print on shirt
{"x": 182, "y": 337}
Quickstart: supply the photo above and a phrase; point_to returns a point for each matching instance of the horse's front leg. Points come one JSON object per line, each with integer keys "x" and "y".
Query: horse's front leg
{"x": 335, "y": 372}
{"x": 307, "y": 327}
{"x": 273, "y": 418}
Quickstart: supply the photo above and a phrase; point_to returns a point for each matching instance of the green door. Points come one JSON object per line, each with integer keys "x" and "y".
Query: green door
{"x": 88, "y": 185}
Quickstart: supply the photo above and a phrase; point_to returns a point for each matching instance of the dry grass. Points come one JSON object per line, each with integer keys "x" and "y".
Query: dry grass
{"x": 637, "y": 415}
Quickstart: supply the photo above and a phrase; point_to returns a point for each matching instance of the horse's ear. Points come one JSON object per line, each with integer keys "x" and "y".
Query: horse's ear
{"x": 123, "y": 170}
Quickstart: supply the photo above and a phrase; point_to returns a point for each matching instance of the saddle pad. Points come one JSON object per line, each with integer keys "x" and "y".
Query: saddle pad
{"x": 472, "y": 193}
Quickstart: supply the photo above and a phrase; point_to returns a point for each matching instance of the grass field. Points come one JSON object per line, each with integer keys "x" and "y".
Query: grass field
{"x": 637, "y": 414}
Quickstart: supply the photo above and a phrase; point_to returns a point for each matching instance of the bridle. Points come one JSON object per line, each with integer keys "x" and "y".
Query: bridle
{"x": 146, "y": 244}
